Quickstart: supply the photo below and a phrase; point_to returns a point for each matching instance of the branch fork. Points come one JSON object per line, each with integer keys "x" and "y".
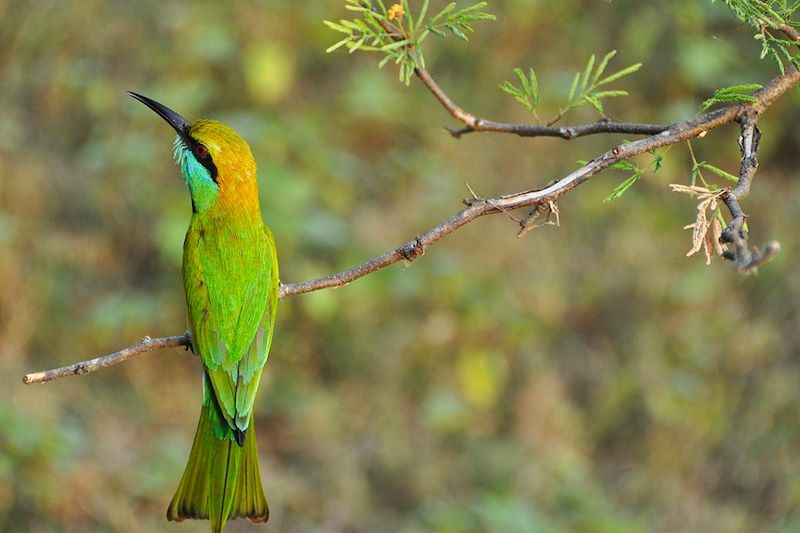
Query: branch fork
{"x": 746, "y": 259}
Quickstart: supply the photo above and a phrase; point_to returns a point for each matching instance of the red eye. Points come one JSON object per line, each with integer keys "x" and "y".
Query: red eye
{"x": 201, "y": 151}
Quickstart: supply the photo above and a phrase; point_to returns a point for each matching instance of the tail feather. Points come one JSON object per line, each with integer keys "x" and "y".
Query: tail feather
{"x": 250, "y": 501}
{"x": 222, "y": 479}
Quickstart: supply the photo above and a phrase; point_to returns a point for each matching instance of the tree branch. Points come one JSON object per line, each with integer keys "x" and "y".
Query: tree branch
{"x": 85, "y": 367}
{"x": 790, "y": 32}
{"x": 746, "y": 260}
{"x": 475, "y": 124}
{"x": 564, "y": 132}
{"x": 478, "y": 207}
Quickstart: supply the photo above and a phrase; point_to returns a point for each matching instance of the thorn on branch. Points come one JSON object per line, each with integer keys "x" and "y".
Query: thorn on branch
{"x": 503, "y": 210}
{"x": 475, "y": 198}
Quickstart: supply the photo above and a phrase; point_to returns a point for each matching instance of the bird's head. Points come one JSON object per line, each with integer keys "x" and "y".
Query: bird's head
{"x": 216, "y": 163}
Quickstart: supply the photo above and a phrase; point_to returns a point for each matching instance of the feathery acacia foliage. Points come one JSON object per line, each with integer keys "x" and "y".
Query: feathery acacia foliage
{"x": 397, "y": 34}
{"x": 768, "y": 18}
{"x": 730, "y": 95}
{"x": 527, "y": 93}
{"x": 583, "y": 91}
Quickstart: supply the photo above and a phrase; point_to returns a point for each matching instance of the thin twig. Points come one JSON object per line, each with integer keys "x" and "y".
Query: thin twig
{"x": 564, "y": 132}
{"x": 790, "y": 32}
{"x": 474, "y": 124}
{"x": 85, "y": 367}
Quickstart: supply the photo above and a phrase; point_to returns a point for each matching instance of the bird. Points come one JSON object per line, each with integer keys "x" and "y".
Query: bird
{"x": 230, "y": 277}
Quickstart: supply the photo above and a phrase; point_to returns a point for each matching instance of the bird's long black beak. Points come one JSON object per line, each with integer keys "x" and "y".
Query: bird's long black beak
{"x": 180, "y": 124}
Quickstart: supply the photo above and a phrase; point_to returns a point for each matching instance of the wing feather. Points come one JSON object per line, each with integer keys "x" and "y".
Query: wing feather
{"x": 231, "y": 282}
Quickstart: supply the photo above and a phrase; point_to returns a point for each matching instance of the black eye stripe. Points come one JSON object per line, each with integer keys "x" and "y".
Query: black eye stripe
{"x": 206, "y": 160}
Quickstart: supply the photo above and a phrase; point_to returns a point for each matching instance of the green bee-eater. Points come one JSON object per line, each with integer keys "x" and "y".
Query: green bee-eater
{"x": 230, "y": 275}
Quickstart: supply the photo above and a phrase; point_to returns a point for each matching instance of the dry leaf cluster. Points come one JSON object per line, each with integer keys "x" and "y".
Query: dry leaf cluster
{"x": 707, "y": 228}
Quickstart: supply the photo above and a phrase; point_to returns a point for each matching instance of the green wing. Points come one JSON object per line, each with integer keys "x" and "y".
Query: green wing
{"x": 231, "y": 282}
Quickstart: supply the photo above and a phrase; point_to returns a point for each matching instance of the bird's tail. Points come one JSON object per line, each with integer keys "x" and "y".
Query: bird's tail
{"x": 222, "y": 479}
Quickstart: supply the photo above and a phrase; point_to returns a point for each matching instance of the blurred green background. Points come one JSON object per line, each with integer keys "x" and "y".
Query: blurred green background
{"x": 585, "y": 378}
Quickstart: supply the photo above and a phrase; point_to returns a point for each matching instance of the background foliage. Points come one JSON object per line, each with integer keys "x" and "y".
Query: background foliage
{"x": 587, "y": 378}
